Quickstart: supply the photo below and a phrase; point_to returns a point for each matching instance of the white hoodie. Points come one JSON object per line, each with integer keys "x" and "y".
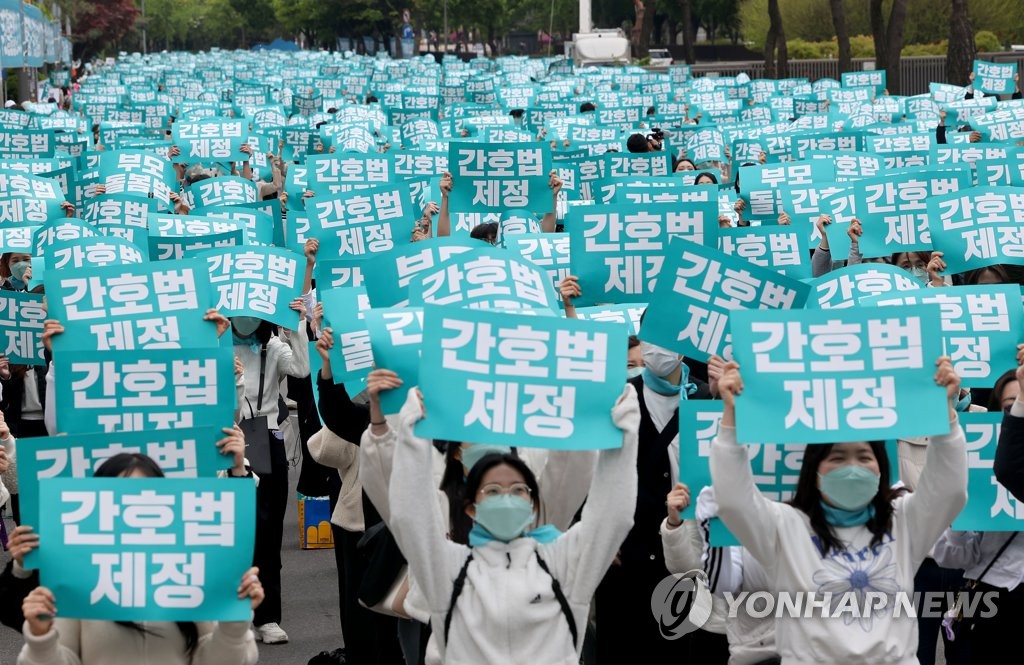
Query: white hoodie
{"x": 507, "y": 612}
{"x": 781, "y": 538}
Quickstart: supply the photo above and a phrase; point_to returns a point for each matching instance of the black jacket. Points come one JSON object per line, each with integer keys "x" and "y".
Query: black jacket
{"x": 654, "y": 475}
{"x": 14, "y": 393}
{"x": 1009, "y": 464}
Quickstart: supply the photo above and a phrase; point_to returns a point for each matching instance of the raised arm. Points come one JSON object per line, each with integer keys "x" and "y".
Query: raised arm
{"x": 580, "y": 558}
{"x": 942, "y": 488}
{"x": 747, "y": 512}
{"x": 417, "y": 522}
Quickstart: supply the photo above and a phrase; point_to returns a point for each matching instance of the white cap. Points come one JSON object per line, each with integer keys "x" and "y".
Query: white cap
{"x": 10, "y": 104}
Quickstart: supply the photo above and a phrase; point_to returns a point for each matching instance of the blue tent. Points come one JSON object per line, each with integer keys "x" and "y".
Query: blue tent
{"x": 277, "y": 45}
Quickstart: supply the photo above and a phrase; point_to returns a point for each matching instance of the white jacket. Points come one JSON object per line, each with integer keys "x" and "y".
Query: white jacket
{"x": 507, "y": 612}
{"x": 80, "y": 642}
{"x": 781, "y": 538}
{"x": 10, "y": 444}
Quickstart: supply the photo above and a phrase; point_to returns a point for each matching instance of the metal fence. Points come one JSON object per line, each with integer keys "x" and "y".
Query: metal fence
{"x": 915, "y": 72}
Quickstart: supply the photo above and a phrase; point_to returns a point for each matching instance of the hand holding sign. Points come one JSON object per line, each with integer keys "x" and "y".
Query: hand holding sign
{"x": 678, "y": 501}
{"x": 39, "y": 608}
{"x": 730, "y": 386}
{"x": 22, "y": 541}
{"x": 947, "y": 377}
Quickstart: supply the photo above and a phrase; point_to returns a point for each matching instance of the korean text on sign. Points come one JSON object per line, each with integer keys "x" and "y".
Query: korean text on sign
{"x": 492, "y": 177}
{"x": 989, "y": 506}
{"x": 698, "y": 290}
{"x": 154, "y": 549}
{"x": 860, "y": 374}
{"x": 510, "y": 379}
{"x": 256, "y": 281}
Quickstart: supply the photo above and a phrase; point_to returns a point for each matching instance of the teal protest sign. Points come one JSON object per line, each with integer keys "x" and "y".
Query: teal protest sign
{"x": 185, "y": 453}
{"x": 893, "y": 210}
{"x": 981, "y": 326}
{"x": 548, "y": 251}
{"x": 994, "y": 78}
{"x": 131, "y": 307}
{"x": 339, "y": 173}
{"x": 780, "y": 248}
{"x": 225, "y": 190}
{"x": 335, "y": 273}
{"x": 393, "y": 274}
{"x": 95, "y": 251}
{"x": 485, "y": 279}
{"x": 628, "y": 314}
{"x": 978, "y": 227}
{"x": 17, "y": 238}
{"x": 860, "y": 374}
{"x": 617, "y": 250}
{"x": 691, "y": 308}
{"x": 990, "y": 507}
{"x": 133, "y": 391}
{"x": 27, "y": 143}
{"x": 1002, "y": 125}
{"x": 847, "y": 286}
{"x": 493, "y": 177}
{"x": 210, "y": 140}
{"x": 508, "y": 379}
{"x": 396, "y": 336}
{"x": 368, "y": 221}
{"x": 21, "y": 322}
{"x": 256, "y": 281}
{"x": 345, "y": 311}
{"x": 59, "y": 230}
{"x": 153, "y": 549}
{"x": 29, "y": 198}
{"x": 761, "y": 183}
{"x": 178, "y": 236}
{"x": 874, "y": 78}
{"x": 258, "y": 224}
{"x": 137, "y": 173}
{"x": 119, "y": 210}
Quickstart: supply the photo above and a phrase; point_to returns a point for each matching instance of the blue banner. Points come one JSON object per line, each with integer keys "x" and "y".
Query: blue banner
{"x": 185, "y": 453}
{"x": 691, "y": 309}
{"x": 989, "y": 506}
{"x": 783, "y": 249}
{"x": 133, "y": 391}
{"x": 153, "y": 549}
{"x": 396, "y": 335}
{"x": 368, "y": 221}
{"x": 132, "y": 307}
{"x": 257, "y": 281}
{"x": 861, "y": 374}
{"x": 978, "y": 227}
{"x": 493, "y": 177}
{"x": 21, "y": 321}
{"x": 507, "y": 379}
{"x": 617, "y": 251}
{"x": 848, "y": 286}
{"x": 981, "y": 326}
{"x": 345, "y": 311}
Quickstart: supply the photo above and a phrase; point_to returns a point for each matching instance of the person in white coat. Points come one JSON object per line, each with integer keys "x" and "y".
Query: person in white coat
{"x": 512, "y": 595}
{"x": 846, "y": 532}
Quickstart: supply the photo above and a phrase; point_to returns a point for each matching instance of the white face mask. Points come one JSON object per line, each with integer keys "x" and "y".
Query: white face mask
{"x": 660, "y": 361}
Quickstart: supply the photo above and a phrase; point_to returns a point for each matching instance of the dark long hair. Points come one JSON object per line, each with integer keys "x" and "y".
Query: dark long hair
{"x": 124, "y": 464}
{"x": 453, "y": 484}
{"x": 476, "y": 476}
{"x": 808, "y": 497}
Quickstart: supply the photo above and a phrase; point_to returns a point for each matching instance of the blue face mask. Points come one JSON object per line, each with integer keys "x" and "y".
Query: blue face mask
{"x": 473, "y": 453}
{"x": 505, "y": 517}
{"x": 633, "y": 372}
{"x": 850, "y": 487}
{"x": 964, "y": 403}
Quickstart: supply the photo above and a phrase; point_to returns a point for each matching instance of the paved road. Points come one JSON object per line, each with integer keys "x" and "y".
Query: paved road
{"x": 310, "y": 603}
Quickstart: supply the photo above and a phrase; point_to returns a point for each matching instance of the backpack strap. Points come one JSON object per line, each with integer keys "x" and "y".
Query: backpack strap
{"x": 563, "y": 602}
{"x": 460, "y": 581}
{"x": 556, "y": 588}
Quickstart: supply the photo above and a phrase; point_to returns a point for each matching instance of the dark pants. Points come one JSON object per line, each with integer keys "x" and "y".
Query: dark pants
{"x": 271, "y": 504}
{"x": 370, "y": 638}
{"x": 932, "y": 578}
{"x": 625, "y": 619}
{"x": 993, "y": 639}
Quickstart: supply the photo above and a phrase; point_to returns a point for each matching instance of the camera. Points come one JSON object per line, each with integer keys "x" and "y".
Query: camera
{"x": 656, "y": 135}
